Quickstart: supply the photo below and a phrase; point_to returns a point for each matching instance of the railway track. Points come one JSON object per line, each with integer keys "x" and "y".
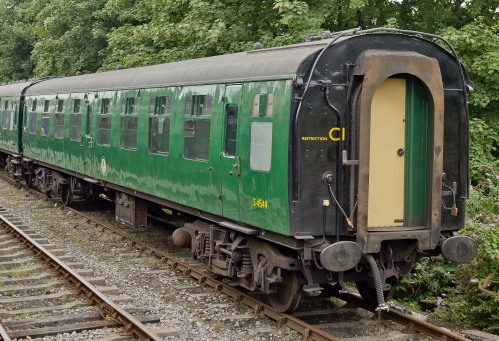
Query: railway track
{"x": 42, "y": 295}
{"x": 314, "y": 324}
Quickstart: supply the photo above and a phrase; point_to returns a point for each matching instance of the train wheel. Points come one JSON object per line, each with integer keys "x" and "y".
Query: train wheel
{"x": 289, "y": 292}
{"x": 67, "y": 195}
{"x": 368, "y": 293}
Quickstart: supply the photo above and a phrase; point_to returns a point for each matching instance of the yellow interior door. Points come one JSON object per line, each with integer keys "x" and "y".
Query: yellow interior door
{"x": 387, "y": 154}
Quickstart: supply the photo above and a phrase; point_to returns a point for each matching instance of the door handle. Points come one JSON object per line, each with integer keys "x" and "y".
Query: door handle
{"x": 346, "y": 162}
{"x": 237, "y": 165}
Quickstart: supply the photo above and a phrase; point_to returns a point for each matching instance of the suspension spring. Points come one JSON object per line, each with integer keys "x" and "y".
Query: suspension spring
{"x": 246, "y": 267}
{"x": 207, "y": 245}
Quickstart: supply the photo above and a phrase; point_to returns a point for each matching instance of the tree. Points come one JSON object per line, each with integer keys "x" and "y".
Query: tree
{"x": 17, "y": 43}
{"x": 68, "y": 35}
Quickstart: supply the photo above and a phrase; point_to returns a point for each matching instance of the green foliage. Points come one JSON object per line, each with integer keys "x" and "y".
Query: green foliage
{"x": 15, "y": 62}
{"x": 484, "y": 149}
{"x": 68, "y": 35}
{"x": 466, "y": 293}
{"x": 478, "y": 47}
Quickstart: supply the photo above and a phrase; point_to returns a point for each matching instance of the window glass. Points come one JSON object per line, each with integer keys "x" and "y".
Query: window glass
{"x": 104, "y": 106}
{"x": 76, "y": 105}
{"x": 130, "y": 105}
{"x": 159, "y": 124}
{"x": 128, "y": 123}
{"x": 160, "y": 105}
{"x": 6, "y": 115}
{"x": 263, "y": 105}
{"x": 261, "y": 146}
{"x": 12, "y": 118}
{"x": 46, "y": 106}
{"x": 198, "y": 105}
{"x": 45, "y": 124}
{"x": 33, "y": 105}
{"x": 231, "y": 130}
{"x": 104, "y": 109}
{"x": 128, "y": 129}
{"x": 104, "y": 130}
{"x": 197, "y": 139}
{"x": 60, "y": 106}
{"x": 59, "y": 125}
{"x": 32, "y": 123}
{"x": 75, "y": 131}
{"x": 6, "y": 119}
{"x": 159, "y": 135}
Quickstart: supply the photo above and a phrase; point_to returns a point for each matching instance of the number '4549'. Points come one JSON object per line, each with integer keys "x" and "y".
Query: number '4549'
{"x": 260, "y": 203}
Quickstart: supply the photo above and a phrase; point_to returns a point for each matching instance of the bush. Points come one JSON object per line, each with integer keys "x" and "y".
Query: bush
{"x": 466, "y": 293}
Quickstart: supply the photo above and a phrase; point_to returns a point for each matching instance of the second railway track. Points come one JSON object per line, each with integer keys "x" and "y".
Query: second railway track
{"x": 317, "y": 328}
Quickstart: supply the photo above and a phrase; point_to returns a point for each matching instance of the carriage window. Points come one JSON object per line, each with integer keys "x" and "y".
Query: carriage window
{"x": 197, "y": 127}
{"x": 45, "y": 119}
{"x": 75, "y": 131}
{"x": 198, "y": 105}
{"x": 261, "y": 146}
{"x": 59, "y": 125}
{"x": 128, "y": 123}
{"x": 160, "y": 105}
{"x": 33, "y": 105}
{"x": 6, "y": 116}
{"x": 60, "y": 106}
{"x": 32, "y": 122}
{"x": 197, "y": 139}
{"x": 104, "y": 130}
{"x": 13, "y": 116}
{"x": 128, "y": 132}
{"x": 159, "y": 135}
{"x": 231, "y": 130}
{"x": 104, "y": 106}
{"x": 159, "y": 125}
{"x": 263, "y": 105}
{"x": 75, "y": 121}
{"x": 130, "y": 105}
{"x": 59, "y": 120}
{"x": 76, "y": 105}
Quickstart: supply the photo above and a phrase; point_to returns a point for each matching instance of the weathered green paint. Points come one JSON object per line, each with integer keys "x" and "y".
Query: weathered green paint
{"x": 206, "y": 185}
{"x": 417, "y": 151}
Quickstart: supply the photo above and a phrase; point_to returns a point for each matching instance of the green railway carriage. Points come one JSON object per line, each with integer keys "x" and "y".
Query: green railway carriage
{"x": 343, "y": 159}
{"x": 10, "y": 103}
{"x": 220, "y": 145}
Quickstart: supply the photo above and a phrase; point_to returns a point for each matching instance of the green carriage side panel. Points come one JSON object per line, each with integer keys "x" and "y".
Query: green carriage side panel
{"x": 172, "y": 176}
{"x": 197, "y": 171}
{"x": 31, "y": 133}
{"x": 102, "y": 149}
{"x": 263, "y": 146}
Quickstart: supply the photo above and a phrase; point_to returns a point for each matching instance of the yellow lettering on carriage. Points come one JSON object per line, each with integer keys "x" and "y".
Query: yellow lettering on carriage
{"x": 336, "y": 134}
{"x": 260, "y": 203}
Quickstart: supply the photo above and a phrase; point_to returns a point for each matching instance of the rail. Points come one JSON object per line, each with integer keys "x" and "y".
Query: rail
{"x": 131, "y": 324}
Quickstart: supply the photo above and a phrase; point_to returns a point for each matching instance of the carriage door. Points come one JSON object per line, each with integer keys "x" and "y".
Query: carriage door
{"x": 231, "y": 163}
{"x": 88, "y": 141}
{"x": 399, "y": 145}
